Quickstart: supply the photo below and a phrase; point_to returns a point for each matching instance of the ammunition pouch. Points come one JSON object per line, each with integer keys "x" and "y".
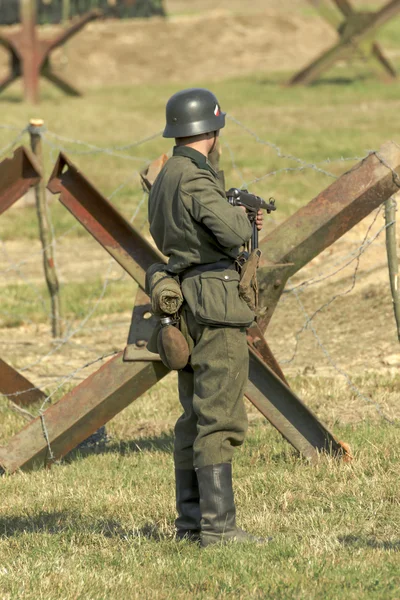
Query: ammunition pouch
{"x": 248, "y": 285}
{"x": 212, "y": 294}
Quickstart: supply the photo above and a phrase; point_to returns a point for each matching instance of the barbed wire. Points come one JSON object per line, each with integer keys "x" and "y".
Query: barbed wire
{"x": 105, "y": 149}
{"x": 339, "y": 370}
{"x": 62, "y": 380}
{"x": 21, "y": 275}
{"x": 235, "y": 167}
{"x": 364, "y": 246}
{"x": 10, "y": 127}
{"x": 92, "y": 149}
{"x": 8, "y": 147}
{"x": 56, "y": 143}
{"x": 57, "y": 148}
{"x": 396, "y": 176}
{"x": 354, "y": 255}
{"x": 280, "y": 154}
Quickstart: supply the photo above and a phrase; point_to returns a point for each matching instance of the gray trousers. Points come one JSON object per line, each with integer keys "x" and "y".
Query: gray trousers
{"x": 211, "y": 392}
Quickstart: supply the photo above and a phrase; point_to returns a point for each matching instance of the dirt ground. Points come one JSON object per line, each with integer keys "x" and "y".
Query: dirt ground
{"x": 357, "y": 329}
{"x": 143, "y": 51}
{"x": 200, "y": 40}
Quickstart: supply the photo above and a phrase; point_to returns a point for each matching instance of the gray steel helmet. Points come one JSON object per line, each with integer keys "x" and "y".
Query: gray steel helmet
{"x": 193, "y": 112}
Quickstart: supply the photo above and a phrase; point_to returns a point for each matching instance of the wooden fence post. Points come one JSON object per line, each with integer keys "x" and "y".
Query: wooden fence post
{"x": 35, "y": 130}
{"x": 393, "y": 263}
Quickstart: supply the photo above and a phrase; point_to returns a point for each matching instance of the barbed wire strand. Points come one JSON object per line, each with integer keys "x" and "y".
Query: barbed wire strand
{"x": 282, "y": 155}
{"x": 63, "y": 382}
{"x": 323, "y": 276}
{"x": 339, "y": 370}
{"x": 93, "y": 150}
{"x": 8, "y": 147}
{"x": 106, "y": 149}
{"x": 364, "y": 246}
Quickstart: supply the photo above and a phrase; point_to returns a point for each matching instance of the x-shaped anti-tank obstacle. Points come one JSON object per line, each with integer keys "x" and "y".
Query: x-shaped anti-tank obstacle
{"x": 356, "y": 33}
{"x": 17, "y": 175}
{"x": 129, "y": 375}
{"x": 30, "y": 56}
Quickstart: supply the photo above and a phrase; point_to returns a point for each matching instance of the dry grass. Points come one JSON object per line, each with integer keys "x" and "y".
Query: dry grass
{"x": 101, "y": 525}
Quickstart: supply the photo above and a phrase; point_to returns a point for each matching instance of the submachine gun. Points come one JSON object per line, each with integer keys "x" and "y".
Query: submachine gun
{"x": 252, "y": 205}
{"x": 247, "y": 262}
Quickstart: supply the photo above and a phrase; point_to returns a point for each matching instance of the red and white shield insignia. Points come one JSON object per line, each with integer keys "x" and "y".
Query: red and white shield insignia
{"x": 216, "y": 111}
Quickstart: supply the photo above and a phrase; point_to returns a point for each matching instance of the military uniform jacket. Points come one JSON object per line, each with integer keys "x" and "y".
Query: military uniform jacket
{"x": 201, "y": 234}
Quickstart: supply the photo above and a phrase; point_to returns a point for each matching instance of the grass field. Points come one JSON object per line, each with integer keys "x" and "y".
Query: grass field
{"x": 100, "y": 525}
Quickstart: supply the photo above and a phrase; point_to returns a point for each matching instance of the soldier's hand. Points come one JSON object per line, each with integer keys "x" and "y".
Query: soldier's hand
{"x": 260, "y": 219}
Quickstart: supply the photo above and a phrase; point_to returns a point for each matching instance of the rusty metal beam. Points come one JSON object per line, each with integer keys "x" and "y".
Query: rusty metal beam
{"x": 80, "y": 413}
{"x": 75, "y": 27}
{"x": 345, "y": 7}
{"x": 379, "y": 55}
{"x": 321, "y": 64}
{"x": 358, "y": 27}
{"x": 102, "y": 220}
{"x": 59, "y": 81}
{"x": 20, "y": 390}
{"x": 327, "y": 12}
{"x": 383, "y": 16}
{"x": 324, "y": 220}
{"x": 17, "y": 175}
{"x": 287, "y": 413}
{"x": 259, "y": 345}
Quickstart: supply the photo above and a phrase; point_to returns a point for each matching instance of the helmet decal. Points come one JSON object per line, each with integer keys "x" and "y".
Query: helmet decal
{"x": 216, "y": 111}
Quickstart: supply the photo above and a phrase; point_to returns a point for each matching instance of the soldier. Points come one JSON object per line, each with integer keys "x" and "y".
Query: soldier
{"x": 201, "y": 233}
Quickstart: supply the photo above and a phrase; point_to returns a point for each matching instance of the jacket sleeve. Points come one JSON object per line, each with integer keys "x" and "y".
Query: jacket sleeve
{"x": 207, "y": 204}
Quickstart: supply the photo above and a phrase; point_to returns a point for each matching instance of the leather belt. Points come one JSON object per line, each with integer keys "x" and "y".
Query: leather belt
{"x": 225, "y": 263}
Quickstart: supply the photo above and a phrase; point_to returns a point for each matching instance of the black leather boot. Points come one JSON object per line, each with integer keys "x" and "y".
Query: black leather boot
{"x": 187, "y": 504}
{"x": 217, "y": 507}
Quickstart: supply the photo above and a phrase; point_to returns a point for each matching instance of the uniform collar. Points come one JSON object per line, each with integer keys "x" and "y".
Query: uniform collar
{"x": 197, "y": 157}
